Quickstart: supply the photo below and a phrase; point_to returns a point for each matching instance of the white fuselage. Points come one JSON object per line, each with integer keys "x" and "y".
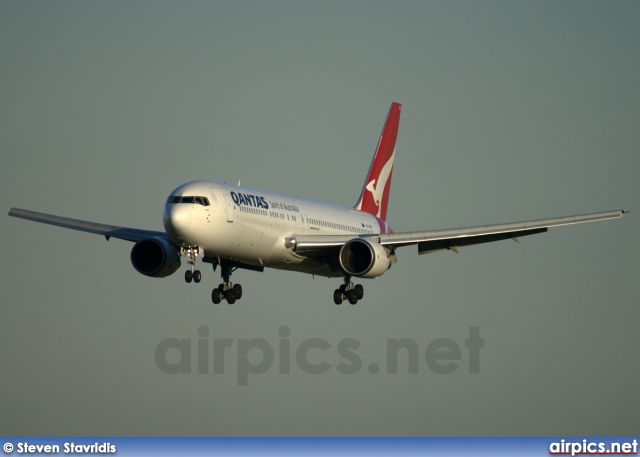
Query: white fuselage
{"x": 253, "y": 226}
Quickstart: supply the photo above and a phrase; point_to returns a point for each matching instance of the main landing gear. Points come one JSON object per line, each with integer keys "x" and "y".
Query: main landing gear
{"x": 192, "y": 274}
{"x": 227, "y": 290}
{"x": 348, "y": 291}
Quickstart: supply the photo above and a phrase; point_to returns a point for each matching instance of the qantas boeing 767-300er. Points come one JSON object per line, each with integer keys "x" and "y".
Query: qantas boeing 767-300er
{"x": 235, "y": 227}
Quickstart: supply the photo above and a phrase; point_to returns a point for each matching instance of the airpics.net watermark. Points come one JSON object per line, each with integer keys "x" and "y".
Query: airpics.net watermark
{"x": 256, "y": 356}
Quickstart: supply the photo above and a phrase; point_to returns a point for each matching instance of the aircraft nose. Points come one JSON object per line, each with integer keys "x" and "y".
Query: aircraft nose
{"x": 178, "y": 219}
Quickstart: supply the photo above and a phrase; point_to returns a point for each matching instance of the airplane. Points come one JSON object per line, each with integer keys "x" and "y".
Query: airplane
{"x": 234, "y": 227}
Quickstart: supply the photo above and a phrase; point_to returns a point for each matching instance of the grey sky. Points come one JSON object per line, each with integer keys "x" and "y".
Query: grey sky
{"x": 511, "y": 111}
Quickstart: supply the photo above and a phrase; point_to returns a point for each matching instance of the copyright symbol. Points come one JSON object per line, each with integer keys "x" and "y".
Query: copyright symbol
{"x": 7, "y": 448}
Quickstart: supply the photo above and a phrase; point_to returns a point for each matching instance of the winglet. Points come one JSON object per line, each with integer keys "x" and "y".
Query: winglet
{"x": 375, "y": 192}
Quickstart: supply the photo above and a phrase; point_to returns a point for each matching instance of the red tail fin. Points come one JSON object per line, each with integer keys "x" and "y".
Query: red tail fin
{"x": 375, "y": 193}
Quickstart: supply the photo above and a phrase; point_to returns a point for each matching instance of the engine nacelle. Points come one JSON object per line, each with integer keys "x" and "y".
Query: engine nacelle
{"x": 155, "y": 257}
{"x": 364, "y": 258}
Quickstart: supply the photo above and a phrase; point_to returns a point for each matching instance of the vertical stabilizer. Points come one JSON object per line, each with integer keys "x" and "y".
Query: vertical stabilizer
{"x": 375, "y": 192}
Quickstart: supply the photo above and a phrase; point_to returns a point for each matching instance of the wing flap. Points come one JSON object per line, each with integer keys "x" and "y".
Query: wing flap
{"x": 123, "y": 233}
{"x": 425, "y": 247}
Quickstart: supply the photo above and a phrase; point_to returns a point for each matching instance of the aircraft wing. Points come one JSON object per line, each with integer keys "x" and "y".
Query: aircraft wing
{"x": 451, "y": 239}
{"x": 108, "y": 231}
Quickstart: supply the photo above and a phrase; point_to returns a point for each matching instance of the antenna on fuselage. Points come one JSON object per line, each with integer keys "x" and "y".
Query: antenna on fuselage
{"x": 238, "y": 183}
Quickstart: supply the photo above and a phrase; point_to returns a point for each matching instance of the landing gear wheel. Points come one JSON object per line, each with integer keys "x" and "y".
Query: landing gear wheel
{"x": 343, "y": 288}
{"x": 359, "y": 291}
{"x": 337, "y": 296}
{"x": 216, "y": 296}
{"x": 227, "y": 290}
{"x": 237, "y": 291}
{"x": 191, "y": 252}
{"x": 352, "y": 295}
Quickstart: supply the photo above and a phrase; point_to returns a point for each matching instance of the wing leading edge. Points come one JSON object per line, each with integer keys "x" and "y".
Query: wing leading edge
{"x": 451, "y": 239}
{"x": 123, "y": 233}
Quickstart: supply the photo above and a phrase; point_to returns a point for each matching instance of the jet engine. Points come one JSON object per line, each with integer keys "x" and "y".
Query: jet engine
{"x": 364, "y": 258}
{"x": 155, "y": 257}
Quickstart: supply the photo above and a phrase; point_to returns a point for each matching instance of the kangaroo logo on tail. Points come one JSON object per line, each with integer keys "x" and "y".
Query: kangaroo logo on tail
{"x": 375, "y": 193}
{"x": 378, "y": 189}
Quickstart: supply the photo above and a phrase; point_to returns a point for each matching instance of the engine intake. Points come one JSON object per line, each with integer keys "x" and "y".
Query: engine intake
{"x": 155, "y": 257}
{"x": 364, "y": 258}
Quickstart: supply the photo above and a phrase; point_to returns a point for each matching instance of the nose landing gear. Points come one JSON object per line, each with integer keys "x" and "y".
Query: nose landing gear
{"x": 192, "y": 275}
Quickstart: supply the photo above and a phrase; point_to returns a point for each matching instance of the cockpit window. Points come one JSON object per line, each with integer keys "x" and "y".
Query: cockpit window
{"x": 204, "y": 201}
